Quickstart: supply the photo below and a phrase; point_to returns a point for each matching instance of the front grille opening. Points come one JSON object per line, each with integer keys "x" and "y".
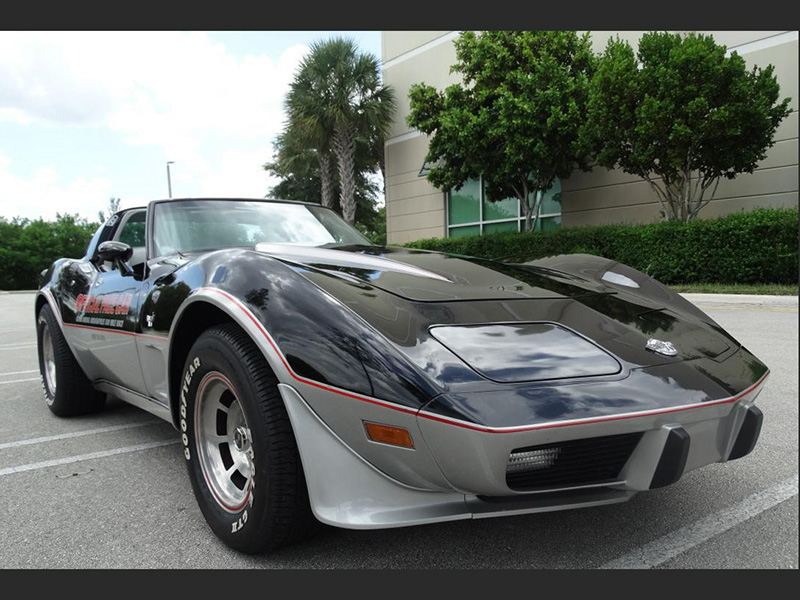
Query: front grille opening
{"x": 573, "y": 463}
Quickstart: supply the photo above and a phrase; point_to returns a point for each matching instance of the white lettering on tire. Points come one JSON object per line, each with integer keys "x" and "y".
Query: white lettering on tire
{"x": 239, "y": 523}
{"x": 187, "y": 379}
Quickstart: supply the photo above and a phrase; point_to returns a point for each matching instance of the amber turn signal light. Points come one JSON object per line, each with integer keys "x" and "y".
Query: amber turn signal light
{"x": 386, "y": 434}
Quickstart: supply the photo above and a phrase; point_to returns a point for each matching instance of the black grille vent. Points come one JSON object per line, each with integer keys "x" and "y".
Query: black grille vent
{"x": 577, "y": 462}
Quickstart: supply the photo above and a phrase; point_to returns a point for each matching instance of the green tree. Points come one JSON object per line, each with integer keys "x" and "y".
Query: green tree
{"x": 681, "y": 114}
{"x": 300, "y": 172}
{"x": 27, "y": 247}
{"x": 374, "y": 227}
{"x": 336, "y": 100}
{"x": 516, "y": 117}
{"x": 301, "y": 180}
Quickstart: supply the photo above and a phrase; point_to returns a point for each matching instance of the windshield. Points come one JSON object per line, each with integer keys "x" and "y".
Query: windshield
{"x": 192, "y": 225}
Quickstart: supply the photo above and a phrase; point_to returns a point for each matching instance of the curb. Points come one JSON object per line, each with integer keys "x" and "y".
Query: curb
{"x": 747, "y": 299}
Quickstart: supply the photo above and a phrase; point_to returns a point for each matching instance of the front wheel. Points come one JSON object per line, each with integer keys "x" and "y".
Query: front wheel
{"x": 239, "y": 446}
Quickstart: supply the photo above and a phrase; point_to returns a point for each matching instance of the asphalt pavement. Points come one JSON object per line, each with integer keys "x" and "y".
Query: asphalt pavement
{"x": 111, "y": 490}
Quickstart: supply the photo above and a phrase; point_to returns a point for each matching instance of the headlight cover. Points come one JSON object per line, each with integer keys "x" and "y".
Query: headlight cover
{"x": 518, "y": 352}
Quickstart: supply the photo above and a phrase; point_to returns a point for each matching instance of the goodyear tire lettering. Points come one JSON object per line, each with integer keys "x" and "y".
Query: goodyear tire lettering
{"x": 187, "y": 379}
{"x": 237, "y": 525}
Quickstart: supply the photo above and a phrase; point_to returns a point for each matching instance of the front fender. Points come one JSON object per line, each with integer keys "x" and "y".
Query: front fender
{"x": 344, "y": 369}
{"x": 306, "y": 334}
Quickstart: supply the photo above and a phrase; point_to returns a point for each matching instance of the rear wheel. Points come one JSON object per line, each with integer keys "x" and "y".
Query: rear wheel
{"x": 67, "y": 390}
{"x": 241, "y": 452}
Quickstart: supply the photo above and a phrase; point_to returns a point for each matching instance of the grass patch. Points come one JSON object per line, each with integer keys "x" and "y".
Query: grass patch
{"x": 768, "y": 289}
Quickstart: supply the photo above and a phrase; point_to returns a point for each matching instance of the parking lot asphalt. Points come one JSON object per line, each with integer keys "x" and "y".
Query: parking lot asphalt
{"x": 111, "y": 490}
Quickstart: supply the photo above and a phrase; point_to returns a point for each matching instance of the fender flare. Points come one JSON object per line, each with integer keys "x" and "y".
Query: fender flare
{"x": 237, "y": 314}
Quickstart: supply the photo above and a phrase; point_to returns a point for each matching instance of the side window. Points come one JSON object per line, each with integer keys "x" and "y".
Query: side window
{"x": 132, "y": 232}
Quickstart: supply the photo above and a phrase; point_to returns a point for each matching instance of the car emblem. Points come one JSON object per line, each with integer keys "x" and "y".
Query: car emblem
{"x": 662, "y": 347}
{"x": 150, "y": 319}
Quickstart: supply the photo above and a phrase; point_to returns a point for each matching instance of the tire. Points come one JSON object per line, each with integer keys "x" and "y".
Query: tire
{"x": 67, "y": 390}
{"x": 239, "y": 445}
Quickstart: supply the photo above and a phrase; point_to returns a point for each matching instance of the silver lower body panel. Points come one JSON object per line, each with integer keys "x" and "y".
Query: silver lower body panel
{"x": 351, "y": 490}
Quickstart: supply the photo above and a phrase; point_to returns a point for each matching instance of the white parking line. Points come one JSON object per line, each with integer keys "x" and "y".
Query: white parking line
{"x": 679, "y": 541}
{"x": 20, "y": 380}
{"x": 19, "y": 372}
{"x": 18, "y": 347}
{"x": 74, "y": 434}
{"x": 81, "y": 457}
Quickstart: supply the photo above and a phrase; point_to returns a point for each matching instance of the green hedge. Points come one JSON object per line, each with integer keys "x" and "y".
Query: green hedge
{"x": 759, "y": 246}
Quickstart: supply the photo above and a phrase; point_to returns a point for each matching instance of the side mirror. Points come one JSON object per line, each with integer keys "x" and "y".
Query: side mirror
{"x": 116, "y": 252}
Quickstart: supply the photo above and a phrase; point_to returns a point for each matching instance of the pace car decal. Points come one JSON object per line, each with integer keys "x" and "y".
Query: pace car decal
{"x": 104, "y": 304}
{"x": 103, "y": 309}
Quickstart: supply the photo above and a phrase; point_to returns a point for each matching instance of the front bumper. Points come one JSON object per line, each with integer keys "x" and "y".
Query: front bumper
{"x": 475, "y": 461}
{"x": 459, "y": 473}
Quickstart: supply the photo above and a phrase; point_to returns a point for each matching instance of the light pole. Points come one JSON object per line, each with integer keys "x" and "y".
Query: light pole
{"x": 169, "y": 180}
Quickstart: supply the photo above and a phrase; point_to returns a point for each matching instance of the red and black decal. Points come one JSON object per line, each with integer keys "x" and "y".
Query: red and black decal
{"x": 104, "y": 304}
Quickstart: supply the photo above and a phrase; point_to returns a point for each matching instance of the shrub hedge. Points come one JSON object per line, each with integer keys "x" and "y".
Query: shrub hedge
{"x": 759, "y": 246}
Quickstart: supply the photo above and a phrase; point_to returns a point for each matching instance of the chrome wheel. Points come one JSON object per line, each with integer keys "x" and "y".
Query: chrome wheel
{"x": 224, "y": 442}
{"x": 48, "y": 362}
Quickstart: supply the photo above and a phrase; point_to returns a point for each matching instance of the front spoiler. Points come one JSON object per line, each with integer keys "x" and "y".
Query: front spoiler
{"x": 348, "y": 491}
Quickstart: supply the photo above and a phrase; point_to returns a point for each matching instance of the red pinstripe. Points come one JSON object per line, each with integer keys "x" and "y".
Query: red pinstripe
{"x": 463, "y": 424}
{"x": 119, "y": 331}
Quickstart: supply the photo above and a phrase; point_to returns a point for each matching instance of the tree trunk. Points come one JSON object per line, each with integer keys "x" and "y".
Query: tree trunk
{"x": 382, "y": 163}
{"x": 676, "y": 193}
{"x": 532, "y": 212}
{"x": 326, "y": 179}
{"x": 344, "y": 144}
{"x": 528, "y": 211}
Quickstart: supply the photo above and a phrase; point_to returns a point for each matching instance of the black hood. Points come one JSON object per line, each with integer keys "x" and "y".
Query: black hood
{"x": 432, "y": 276}
{"x": 455, "y": 290}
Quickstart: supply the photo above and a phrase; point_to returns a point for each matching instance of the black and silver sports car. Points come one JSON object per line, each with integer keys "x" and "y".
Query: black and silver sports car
{"x": 314, "y": 377}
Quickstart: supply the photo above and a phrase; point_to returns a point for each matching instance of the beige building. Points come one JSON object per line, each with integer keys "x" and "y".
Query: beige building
{"x": 415, "y": 209}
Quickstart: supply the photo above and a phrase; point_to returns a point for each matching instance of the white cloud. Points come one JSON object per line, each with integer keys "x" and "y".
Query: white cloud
{"x": 212, "y": 112}
{"x": 44, "y": 194}
{"x": 239, "y": 174}
{"x": 150, "y": 85}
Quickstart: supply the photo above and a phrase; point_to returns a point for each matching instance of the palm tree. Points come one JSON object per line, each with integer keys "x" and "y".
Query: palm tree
{"x": 303, "y": 136}
{"x": 336, "y": 101}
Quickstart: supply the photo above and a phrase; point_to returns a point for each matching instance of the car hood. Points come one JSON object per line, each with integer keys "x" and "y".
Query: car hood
{"x": 454, "y": 290}
{"x": 432, "y": 276}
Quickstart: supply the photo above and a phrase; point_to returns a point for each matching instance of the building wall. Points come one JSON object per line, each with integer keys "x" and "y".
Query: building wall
{"x": 416, "y": 210}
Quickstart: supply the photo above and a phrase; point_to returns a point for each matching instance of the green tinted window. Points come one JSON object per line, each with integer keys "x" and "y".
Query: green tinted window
{"x": 549, "y": 223}
{"x": 465, "y": 203}
{"x": 497, "y": 227}
{"x": 464, "y": 206}
{"x": 133, "y": 231}
{"x": 462, "y": 231}
{"x": 502, "y": 209}
{"x": 551, "y": 203}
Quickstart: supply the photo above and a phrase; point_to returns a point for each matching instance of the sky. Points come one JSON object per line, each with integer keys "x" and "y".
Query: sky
{"x": 85, "y": 116}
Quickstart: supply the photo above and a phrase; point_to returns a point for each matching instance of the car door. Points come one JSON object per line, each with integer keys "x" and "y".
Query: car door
{"x": 103, "y": 322}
